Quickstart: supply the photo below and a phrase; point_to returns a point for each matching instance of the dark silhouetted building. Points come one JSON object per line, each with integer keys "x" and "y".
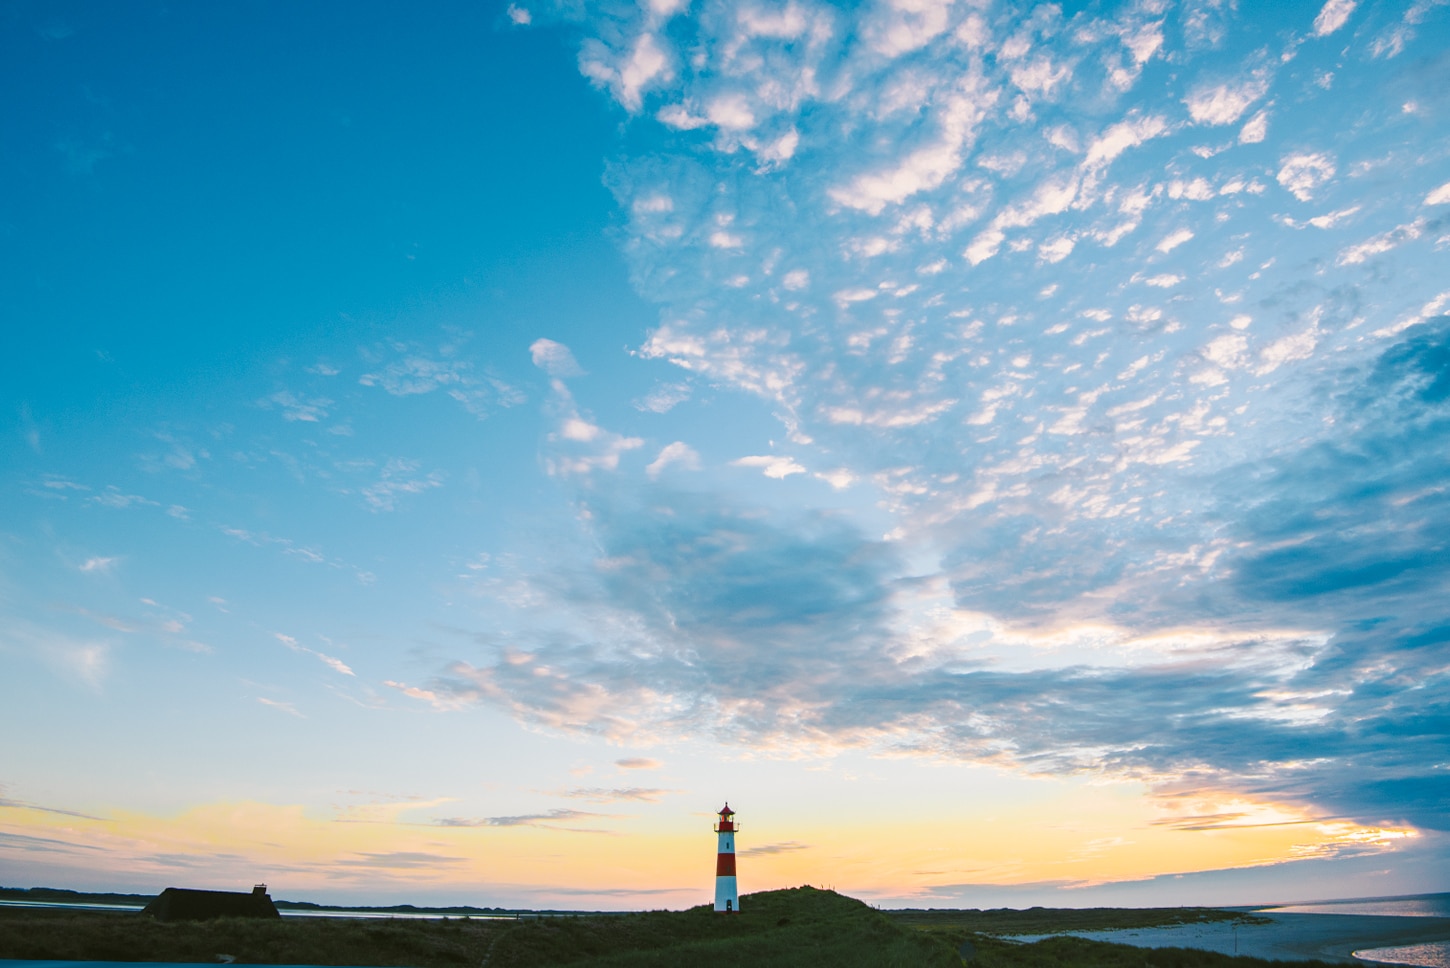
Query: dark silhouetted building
{"x": 184, "y": 904}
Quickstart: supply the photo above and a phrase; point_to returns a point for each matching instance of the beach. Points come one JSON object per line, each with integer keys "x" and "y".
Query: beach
{"x": 1298, "y": 937}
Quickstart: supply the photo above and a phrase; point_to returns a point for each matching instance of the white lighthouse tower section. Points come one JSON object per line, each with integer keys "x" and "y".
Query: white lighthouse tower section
{"x": 727, "y": 894}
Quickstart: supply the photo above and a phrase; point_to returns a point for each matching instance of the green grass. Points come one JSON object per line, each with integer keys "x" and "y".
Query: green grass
{"x": 801, "y": 926}
{"x": 305, "y": 941}
{"x": 1069, "y": 952}
{"x": 1057, "y": 920}
{"x": 798, "y": 928}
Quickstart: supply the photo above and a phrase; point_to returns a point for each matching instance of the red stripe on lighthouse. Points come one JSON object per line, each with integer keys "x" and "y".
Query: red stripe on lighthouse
{"x": 724, "y": 865}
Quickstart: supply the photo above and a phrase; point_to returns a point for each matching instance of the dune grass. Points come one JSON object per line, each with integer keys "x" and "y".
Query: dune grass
{"x": 97, "y": 936}
{"x": 798, "y": 928}
{"x": 1037, "y": 920}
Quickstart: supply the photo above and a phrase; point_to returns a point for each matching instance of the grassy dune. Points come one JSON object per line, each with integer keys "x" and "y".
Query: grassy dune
{"x": 774, "y": 929}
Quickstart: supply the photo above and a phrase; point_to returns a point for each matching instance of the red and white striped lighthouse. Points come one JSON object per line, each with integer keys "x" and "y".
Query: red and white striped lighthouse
{"x": 727, "y": 896}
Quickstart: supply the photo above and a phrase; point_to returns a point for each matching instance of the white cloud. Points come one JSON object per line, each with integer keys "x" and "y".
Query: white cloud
{"x": 664, "y": 398}
{"x": 337, "y": 665}
{"x": 1332, "y": 16}
{"x": 902, "y": 26}
{"x": 840, "y": 478}
{"x": 297, "y": 407}
{"x": 676, "y": 453}
{"x": 1056, "y": 249}
{"x": 1225, "y": 103}
{"x": 926, "y": 167}
{"x": 1174, "y": 240}
{"x": 1255, "y": 130}
{"x": 1303, "y": 173}
{"x": 1330, "y": 219}
{"x": 398, "y": 477}
{"x": 645, "y": 63}
{"x": 731, "y": 112}
{"x": 285, "y": 707}
{"x": 1383, "y": 242}
{"x": 98, "y": 564}
{"x": 776, "y": 467}
{"x": 1297, "y": 346}
{"x": 798, "y": 279}
{"x": 1440, "y": 196}
{"x": 519, "y": 16}
{"x": 554, "y": 358}
{"x": 1118, "y": 138}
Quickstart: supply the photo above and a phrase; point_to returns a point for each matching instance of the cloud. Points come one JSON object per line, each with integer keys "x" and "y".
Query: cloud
{"x": 335, "y": 664}
{"x": 1384, "y": 242}
{"x": 677, "y": 453}
{"x": 618, "y": 794}
{"x": 113, "y": 497}
{"x": 1333, "y": 15}
{"x": 702, "y": 617}
{"x": 399, "y": 477}
{"x": 766, "y": 850}
{"x": 98, "y": 564}
{"x": 554, "y": 359}
{"x": 664, "y": 398}
{"x": 777, "y": 468}
{"x": 1136, "y": 510}
{"x": 1225, "y": 103}
{"x": 285, "y": 707}
{"x": 550, "y": 819}
{"x": 1305, "y": 172}
{"x": 296, "y": 407}
{"x": 400, "y": 860}
{"x": 638, "y": 763}
{"x": 413, "y": 372}
{"x": 581, "y": 447}
{"x": 1255, "y": 129}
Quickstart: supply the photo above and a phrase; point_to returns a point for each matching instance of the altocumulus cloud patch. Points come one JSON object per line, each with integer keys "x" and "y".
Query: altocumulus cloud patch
{"x": 1129, "y": 330}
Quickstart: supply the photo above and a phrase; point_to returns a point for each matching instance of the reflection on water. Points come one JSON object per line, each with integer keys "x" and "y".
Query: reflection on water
{"x": 71, "y": 905}
{"x": 1418, "y": 906}
{"x": 285, "y": 912}
{"x": 1435, "y": 955}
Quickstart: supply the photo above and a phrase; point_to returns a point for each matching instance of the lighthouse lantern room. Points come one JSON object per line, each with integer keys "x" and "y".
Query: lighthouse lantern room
{"x": 727, "y": 895}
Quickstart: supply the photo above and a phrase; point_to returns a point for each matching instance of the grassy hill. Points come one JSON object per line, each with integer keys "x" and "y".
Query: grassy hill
{"x": 774, "y": 929}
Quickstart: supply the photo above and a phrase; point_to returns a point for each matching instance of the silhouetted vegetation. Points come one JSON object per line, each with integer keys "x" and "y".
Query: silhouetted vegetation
{"x": 1039, "y": 920}
{"x": 1069, "y": 952}
{"x": 774, "y": 929}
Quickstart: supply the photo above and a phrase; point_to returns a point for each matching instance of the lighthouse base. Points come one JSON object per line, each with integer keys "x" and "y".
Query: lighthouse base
{"x": 727, "y": 898}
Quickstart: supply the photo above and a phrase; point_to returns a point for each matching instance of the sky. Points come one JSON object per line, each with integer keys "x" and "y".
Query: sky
{"x": 1002, "y": 449}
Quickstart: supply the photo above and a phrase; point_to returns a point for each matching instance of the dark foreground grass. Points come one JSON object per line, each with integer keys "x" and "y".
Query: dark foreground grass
{"x": 1069, "y": 952}
{"x": 95, "y": 936}
{"x": 775, "y": 929}
{"x": 803, "y": 927}
{"x": 1039, "y": 920}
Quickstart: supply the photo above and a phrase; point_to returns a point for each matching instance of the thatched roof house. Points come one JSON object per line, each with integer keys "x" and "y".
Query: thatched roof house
{"x": 184, "y": 904}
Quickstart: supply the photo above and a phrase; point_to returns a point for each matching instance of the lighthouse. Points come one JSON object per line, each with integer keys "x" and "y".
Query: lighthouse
{"x": 727, "y": 896}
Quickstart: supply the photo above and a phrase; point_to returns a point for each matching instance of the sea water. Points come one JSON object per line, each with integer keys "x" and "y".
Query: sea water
{"x": 1436, "y": 955}
{"x": 1433, "y": 955}
{"x": 1410, "y": 906}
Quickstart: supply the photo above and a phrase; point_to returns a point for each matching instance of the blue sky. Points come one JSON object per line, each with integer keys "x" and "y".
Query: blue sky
{"x": 1001, "y": 448}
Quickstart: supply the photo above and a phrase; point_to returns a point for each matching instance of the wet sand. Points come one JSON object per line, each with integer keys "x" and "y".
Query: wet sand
{"x": 1287, "y": 937}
